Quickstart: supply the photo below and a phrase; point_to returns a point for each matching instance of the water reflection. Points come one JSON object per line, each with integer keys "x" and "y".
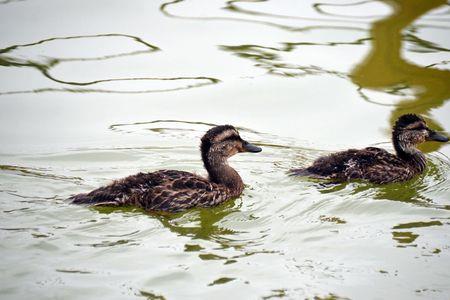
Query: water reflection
{"x": 321, "y": 8}
{"x": 10, "y": 1}
{"x": 385, "y": 69}
{"x": 233, "y": 8}
{"x": 151, "y": 296}
{"x": 421, "y": 88}
{"x": 37, "y": 172}
{"x": 201, "y": 223}
{"x": 8, "y": 59}
{"x": 178, "y": 128}
{"x": 407, "y": 238}
{"x": 269, "y": 58}
{"x": 203, "y": 82}
{"x": 164, "y": 8}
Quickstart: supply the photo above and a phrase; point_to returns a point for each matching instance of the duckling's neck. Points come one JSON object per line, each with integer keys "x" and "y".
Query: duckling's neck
{"x": 409, "y": 153}
{"x": 220, "y": 172}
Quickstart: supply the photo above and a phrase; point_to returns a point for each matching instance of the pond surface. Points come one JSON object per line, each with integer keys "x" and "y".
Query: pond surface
{"x": 91, "y": 91}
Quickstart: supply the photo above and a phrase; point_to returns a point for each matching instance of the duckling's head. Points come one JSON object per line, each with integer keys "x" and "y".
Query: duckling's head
{"x": 222, "y": 142}
{"x": 411, "y": 130}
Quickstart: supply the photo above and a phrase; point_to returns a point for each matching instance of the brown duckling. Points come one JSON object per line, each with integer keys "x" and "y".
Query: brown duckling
{"x": 174, "y": 191}
{"x": 377, "y": 165}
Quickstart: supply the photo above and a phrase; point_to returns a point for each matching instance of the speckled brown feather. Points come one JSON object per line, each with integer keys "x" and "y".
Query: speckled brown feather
{"x": 164, "y": 190}
{"x": 371, "y": 164}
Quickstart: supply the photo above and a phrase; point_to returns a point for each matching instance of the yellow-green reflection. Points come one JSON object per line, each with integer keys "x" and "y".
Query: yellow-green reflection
{"x": 407, "y": 238}
{"x": 385, "y": 68}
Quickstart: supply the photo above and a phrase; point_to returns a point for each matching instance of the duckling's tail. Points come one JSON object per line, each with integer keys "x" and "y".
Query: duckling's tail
{"x": 93, "y": 201}
{"x": 81, "y": 199}
{"x": 300, "y": 172}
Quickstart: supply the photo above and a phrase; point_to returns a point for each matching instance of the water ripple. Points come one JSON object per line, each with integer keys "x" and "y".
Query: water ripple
{"x": 8, "y": 59}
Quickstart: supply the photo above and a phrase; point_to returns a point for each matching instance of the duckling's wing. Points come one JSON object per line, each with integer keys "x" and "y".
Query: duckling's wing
{"x": 181, "y": 191}
{"x": 119, "y": 192}
{"x": 377, "y": 166}
{"x": 175, "y": 201}
{"x": 373, "y": 164}
{"x": 330, "y": 166}
{"x": 372, "y": 156}
{"x": 165, "y": 190}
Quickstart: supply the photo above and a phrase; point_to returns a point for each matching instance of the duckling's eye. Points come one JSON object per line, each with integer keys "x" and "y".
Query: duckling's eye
{"x": 419, "y": 128}
{"x": 225, "y": 146}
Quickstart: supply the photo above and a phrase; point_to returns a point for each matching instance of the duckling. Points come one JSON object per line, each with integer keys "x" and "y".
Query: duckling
{"x": 175, "y": 191}
{"x": 377, "y": 165}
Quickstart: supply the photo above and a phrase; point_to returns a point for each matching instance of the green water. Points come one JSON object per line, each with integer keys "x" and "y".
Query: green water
{"x": 92, "y": 91}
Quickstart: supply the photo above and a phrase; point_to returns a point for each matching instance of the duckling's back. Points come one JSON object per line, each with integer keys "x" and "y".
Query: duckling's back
{"x": 165, "y": 190}
{"x": 372, "y": 164}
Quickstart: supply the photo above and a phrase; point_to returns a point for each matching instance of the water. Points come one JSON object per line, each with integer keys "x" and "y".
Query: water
{"x": 91, "y": 91}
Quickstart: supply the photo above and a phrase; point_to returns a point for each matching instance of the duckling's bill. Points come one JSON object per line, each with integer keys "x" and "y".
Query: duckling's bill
{"x": 248, "y": 147}
{"x": 437, "y": 137}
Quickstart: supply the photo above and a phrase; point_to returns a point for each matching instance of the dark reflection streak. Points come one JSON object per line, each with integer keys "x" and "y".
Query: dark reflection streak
{"x": 408, "y": 237}
{"x": 43, "y": 90}
{"x": 137, "y": 39}
{"x": 267, "y": 60}
{"x": 7, "y": 191}
{"x": 122, "y": 235}
{"x": 45, "y": 68}
{"x": 39, "y": 173}
{"x": 426, "y": 44}
{"x": 289, "y": 46}
{"x": 73, "y": 271}
{"x": 33, "y": 197}
{"x": 419, "y": 224}
{"x": 444, "y": 62}
{"x": 317, "y": 7}
{"x": 115, "y": 126}
{"x": 59, "y": 60}
{"x": 367, "y": 98}
{"x": 393, "y": 91}
{"x": 10, "y": 1}
{"x": 19, "y": 228}
{"x": 232, "y": 7}
{"x": 447, "y": 161}
{"x": 210, "y": 79}
{"x": 163, "y": 9}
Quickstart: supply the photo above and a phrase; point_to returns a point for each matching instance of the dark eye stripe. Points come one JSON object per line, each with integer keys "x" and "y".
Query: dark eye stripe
{"x": 419, "y": 126}
{"x": 232, "y": 138}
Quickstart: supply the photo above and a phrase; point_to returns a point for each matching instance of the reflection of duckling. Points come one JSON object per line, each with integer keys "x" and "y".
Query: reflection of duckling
{"x": 173, "y": 191}
{"x": 377, "y": 165}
